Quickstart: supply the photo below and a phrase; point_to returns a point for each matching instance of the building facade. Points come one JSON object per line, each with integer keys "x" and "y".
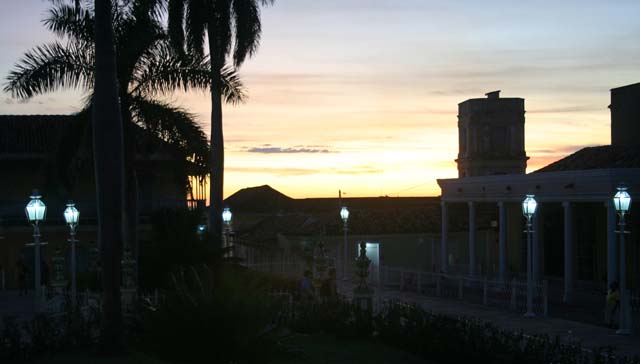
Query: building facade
{"x": 574, "y": 237}
{"x": 32, "y": 156}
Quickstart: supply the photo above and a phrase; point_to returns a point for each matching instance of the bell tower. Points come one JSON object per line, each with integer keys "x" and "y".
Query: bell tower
{"x": 491, "y": 136}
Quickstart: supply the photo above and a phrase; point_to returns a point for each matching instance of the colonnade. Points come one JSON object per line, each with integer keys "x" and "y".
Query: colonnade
{"x": 569, "y": 242}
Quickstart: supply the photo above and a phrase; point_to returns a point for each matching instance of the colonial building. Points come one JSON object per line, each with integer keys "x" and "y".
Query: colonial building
{"x": 39, "y": 152}
{"x": 574, "y": 235}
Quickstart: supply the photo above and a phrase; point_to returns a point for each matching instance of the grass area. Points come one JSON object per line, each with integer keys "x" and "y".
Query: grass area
{"x": 316, "y": 349}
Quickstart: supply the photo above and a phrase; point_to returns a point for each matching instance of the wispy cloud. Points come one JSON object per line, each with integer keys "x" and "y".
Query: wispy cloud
{"x": 269, "y": 149}
{"x": 558, "y": 152}
{"x": 273, "y": 171}
{"x": 286, "y": 171}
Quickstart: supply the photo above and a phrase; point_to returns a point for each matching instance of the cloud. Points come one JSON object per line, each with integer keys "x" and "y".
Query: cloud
{"x": 274, "y": 171}
{"x": 359, "y": 170}
{"x": 286, "y": 171}
{"x": 269, "y": 149}
{"x": 558, "y": 152}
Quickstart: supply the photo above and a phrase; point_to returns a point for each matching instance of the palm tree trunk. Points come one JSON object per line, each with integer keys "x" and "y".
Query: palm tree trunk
{"x": 130, "y": 228}
{"x": 216, "y": 182}
{"x": 109, "y": 173}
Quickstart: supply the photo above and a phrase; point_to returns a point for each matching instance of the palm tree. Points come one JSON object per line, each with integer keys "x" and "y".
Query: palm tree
{"x": 109, "y": 171}
{"x": 233, "y": 28}
{"x": 146, "y": 68}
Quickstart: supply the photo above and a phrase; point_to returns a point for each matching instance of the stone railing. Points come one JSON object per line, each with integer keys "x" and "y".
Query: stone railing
{"x": 511, "y": 294}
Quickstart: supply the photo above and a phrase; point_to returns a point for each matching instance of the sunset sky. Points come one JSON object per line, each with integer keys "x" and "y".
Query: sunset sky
{"x": 361, "y": 95}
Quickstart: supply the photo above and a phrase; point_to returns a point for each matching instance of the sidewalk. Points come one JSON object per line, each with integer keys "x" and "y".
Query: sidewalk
{"x": 590, "y": 336}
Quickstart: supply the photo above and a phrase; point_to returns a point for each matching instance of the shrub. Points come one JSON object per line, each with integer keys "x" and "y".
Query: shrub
{"x": 174, "y": 243}
{"x": 45, "y": 335}
{"x": 232, "y": 320}
{"x": 333, "y": 316}
{"x": 447, "y": 339}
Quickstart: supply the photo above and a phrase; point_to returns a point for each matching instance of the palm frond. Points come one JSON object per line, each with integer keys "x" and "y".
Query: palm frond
{"x": 175, "y": 126}
{"x": 233, "y": 90}
{"x": 68, "y": 21}
{"x": 248, "y": 29}
{"x": 164, "y": 72}
{"x": 140, "y": 34}
{"x": 49, "y": 67}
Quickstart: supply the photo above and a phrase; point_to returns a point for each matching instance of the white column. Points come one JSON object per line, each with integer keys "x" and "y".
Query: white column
{"x": 612, "y": 246}
{"x": 502, "y": 241}
{"x": 472, "y": 238}
{"x": 443, "y": 242}
{"x": 568, "y": 253}
{"x": 536, "y": 243}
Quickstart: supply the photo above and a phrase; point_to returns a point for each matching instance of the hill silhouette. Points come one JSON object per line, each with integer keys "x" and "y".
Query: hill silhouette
{"x": 260, "y": 199}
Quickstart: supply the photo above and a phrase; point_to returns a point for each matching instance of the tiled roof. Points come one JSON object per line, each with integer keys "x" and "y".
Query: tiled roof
{"x": 261, "y": 213}
{"x": 602, "y": 157}
{"x": 38, "y": 136}
{"x": 31, "y": 134}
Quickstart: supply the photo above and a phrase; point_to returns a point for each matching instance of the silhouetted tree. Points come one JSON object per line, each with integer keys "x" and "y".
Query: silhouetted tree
{"x": 232, "y": 27}
{"x": 109, "y": 169}
{"x": 146, "y": 68}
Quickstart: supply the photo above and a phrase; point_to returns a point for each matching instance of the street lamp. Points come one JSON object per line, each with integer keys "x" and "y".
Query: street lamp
{"x": 71, "y": 216}
{"x": 226, "y": 218}
{"x": 36, "y": 212}
{"x": 344, "y": 215}
{"x": 622, "y": 202}
{"x": 528, "y": 210}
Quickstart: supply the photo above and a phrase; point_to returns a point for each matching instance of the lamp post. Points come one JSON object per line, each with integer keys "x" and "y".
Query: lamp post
{"x": 71, "y": 217}
{"x": 226, "y": 218}
{"x": 528, "y": 210}
{"x": 622, "y": 202}
{"x": 36, "y": 212}
{"x": 344, "y": 215}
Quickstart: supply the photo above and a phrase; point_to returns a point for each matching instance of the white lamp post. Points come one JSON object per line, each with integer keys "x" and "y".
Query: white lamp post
{"x": 622, "y": 202}
{"x": 226, "y": 218}
{"x": 36, "y": 212}
{"x": 344, "y": 215}
{"x": 71, "y": 217}
{"x": 529, "y": 206}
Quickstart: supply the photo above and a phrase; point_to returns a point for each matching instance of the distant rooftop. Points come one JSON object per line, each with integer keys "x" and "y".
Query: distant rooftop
{"x": 31, "y": 134}
{"x": 264, "y": 213}
{"x": 602, "y": 157}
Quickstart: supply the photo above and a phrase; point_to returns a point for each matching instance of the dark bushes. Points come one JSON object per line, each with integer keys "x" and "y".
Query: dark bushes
{"x": 231, "y": 321}
{"x": 445, "y": 339}
{"x": 45, "y": 335}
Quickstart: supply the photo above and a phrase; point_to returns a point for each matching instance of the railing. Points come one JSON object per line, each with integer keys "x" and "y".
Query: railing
{"x": 511, "y": 294}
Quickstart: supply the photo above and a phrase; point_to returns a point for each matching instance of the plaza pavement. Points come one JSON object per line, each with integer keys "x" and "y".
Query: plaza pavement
{"x": 591, "y": 336}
